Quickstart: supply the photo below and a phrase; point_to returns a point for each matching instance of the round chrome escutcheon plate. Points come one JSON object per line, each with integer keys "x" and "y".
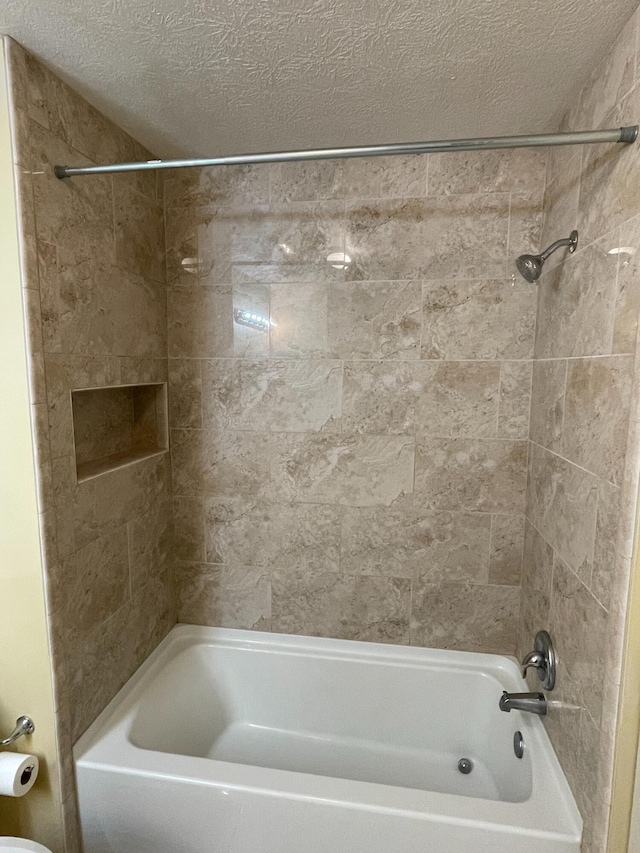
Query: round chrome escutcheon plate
{"x": 518, "y": 744}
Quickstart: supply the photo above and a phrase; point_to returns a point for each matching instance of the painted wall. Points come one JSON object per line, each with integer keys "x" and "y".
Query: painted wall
{"x": 25, "y": 672}
{"x": 355, "y": 467}
{"x": 584, "y": 461}
{"x": 95, "y": 291}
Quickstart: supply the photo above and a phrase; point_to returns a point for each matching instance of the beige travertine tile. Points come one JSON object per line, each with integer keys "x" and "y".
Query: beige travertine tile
{"x": 139, "y": 370}
{"x": 561, "y": 199}
{"x": 596, "y": 414}
{"x": 478, "y": 319}
{"x": 49, "y": 282}
{"x": 269, "y": 395}
{"x": 625, "y": 327}
{"x": 562, "y": 504}
{"x": 139, "y": 231}
{"x": 16, "y": 64}
{"x": 27, "y": 229}
{"x": 604, "y": 556}
{"x": 93, "y": 583}
{"x": 564, "y": 713}
{"x": 226, "y": 596}
{"x": 271, "y": 243}
{"x": 514, "y": 170}
{"x": 300, "y": 312}
{"x": 537, "y": 575}
{"x": 515, "y": 399}
{"x": 277, "y": 535}
{"x": 415, "y": 542}
{"x": 609, "y": 195}
{"x": 347, "y": 319}
{"x": 576, "y": 304}
{"x": 111, "y": 312}
{"x": 507, "y": 543}
{"x": 150, "y": 543}
{"x": 349, "y": 607}
{"x": 71, "y": 824}
{"x": 63, "y": 480}
{"x": 347, "y": 469}
{"x": 579, "y": 622}
{"x": 374, "y": 320}
{"x": 203, "y": 323}
{"x": 525, "y": 224}
{"x": 185, "y": 393}
{"x": 216, "y": 184}
{"x": 116, "y": 649}
{"x": 235, "y": 464}
{"x": 75, "y": 216}
{"x": 325, "y": 179}
{"x": 220, "y": 463}
{"x": 547, "y": 403}
{"x": 432, "y": 238}
{"x": 484, "y": 475}
{"x": 447, "y": 398}
{"x": 466, "y": 617}
{"x": 188, "y": 524}
{"x": 402, "y": 176}
{"x": 181, "y": 239}
{"x": 187, "y": 459}
{"x": 104, "y": 503}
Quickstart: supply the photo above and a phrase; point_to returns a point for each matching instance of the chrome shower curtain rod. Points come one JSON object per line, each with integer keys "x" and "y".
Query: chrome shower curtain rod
{"x": 583, "y": 137}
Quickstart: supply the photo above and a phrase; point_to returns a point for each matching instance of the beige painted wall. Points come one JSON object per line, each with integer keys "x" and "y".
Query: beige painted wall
{"x": 25, "y": 676}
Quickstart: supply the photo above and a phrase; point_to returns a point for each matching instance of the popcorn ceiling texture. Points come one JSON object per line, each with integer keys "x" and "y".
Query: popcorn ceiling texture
{"x": 198, "y": 77}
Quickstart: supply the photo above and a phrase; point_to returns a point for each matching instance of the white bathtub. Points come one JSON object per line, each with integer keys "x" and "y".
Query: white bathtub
{"x": 238, "y": 742}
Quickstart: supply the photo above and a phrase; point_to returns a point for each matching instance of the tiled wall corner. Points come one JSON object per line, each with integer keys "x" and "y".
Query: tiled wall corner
{"x": 583, "y": 466}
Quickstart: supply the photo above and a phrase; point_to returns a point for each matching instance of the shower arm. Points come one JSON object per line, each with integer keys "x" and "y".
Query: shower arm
{"x": 565, "y": 241}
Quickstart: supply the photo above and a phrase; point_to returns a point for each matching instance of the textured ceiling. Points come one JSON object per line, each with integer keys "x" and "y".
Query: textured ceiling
{"x": 213, "y": 77}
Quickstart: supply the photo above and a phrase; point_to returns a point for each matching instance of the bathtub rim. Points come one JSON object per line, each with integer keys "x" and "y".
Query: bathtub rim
{"x": 106, "y": 746}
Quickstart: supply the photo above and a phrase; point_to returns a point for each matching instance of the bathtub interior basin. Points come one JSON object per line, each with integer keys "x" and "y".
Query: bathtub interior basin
{"x": 329, "y": 715}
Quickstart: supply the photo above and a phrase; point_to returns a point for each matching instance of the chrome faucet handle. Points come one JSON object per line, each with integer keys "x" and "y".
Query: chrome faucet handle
{"x": 24, "y": 726}
{"x": 533, "y": 660}
{"x": 543, "y": 659}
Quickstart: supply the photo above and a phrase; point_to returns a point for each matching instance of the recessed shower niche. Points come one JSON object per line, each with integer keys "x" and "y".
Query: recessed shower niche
{"x": 118, "y": 425}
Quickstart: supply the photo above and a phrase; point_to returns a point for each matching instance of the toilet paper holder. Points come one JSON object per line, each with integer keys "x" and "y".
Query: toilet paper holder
{"x": 24, "y": 726}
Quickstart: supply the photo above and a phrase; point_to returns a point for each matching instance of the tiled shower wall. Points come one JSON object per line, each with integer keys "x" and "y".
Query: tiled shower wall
{"x": 94, "y": 291}
{"x": 349, "y": 454}
{"x": 583, "y": 475}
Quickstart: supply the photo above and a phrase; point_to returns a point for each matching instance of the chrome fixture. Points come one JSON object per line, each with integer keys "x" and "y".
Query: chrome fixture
{"x": 24, "y": 726}
{"x": 465, "y": 766}
{"x": 530, "y": 266}
{"x": 624, "y": 135}
{"x": 518, "y": 744}
{"x": 543, "y": 660}
{"x": 534, "y": 703}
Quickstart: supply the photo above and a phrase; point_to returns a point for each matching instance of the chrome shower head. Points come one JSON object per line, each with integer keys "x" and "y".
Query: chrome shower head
{"x": 530, "y": 266}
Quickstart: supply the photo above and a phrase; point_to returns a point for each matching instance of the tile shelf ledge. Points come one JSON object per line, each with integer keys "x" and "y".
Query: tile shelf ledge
{"x": 98, "y": 467}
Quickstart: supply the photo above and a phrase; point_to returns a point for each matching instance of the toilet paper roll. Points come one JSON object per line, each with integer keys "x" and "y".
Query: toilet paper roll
{"x": 18, "y": 772}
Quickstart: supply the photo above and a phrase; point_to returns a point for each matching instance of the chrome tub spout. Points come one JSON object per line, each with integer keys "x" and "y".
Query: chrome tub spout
{"x": 534, "y": 703}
